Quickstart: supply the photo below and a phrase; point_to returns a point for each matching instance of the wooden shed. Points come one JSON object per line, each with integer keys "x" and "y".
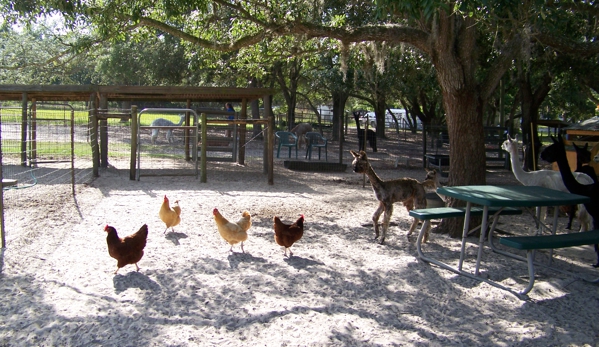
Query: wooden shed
{"x": 581, "y": 134}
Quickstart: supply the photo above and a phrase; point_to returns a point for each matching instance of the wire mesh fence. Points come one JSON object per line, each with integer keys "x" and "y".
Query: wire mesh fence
{"x": 49, "y": 145}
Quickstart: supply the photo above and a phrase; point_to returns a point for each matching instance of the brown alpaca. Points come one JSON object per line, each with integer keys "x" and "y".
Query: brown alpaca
{"x": 408, "y": 191}
{"x": 431, "y": 182}
{"x": 300, "y": 131}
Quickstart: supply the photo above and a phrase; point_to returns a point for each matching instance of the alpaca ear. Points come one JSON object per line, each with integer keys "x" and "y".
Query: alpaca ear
{"x": 553, "y": 139}
{"x": 354, "y": 153}
{"x": 586, "y": 146}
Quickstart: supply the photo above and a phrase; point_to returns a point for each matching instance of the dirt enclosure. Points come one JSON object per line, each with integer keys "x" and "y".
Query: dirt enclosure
{"x": 341, "y": 288}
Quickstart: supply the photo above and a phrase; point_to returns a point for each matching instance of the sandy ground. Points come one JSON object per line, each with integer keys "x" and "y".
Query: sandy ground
{"x": 340, "y": 288}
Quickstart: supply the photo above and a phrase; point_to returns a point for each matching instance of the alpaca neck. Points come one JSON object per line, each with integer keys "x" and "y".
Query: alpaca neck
{"x": 375, "y": 180}
{"x": 358, "y": 125}
{"x": 520, "y": 174}
{"x": 181, "y": 121}
{"x": 567, "y": 176}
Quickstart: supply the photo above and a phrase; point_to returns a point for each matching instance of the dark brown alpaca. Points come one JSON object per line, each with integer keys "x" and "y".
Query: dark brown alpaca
{"x": 408, "y": 191}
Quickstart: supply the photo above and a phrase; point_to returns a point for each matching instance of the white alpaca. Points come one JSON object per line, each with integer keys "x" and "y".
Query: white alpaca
{"x": 545, "y": 178}
{"x": 161, "y": 122}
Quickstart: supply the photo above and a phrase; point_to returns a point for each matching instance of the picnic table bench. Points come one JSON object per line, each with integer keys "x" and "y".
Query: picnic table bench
{"x": 532, "y": 243}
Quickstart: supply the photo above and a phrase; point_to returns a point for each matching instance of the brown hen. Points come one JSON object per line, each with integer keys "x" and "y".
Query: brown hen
{"x": 287, "y": 234}
{"x": 127, "y": 250}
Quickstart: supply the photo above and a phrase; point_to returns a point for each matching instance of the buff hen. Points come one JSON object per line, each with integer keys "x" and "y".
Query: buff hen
{"x": 287, "y": 234}
{"x": 233, "y": 232}
{"x": 171, "y": 216}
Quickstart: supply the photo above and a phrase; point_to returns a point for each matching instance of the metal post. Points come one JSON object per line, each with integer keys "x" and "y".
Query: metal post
{"x": 73, "y": 151}
{"x": 204, "y": 145}
{"x": 104, "y": 133}
{"x": 242, "y": 129}
{"x": 134, "y": 141}
{"x": 33, "y": 130}
{"x": 24, "y": 130}
{"x": 2, "y": 198}
{"x": 94, "y": 137}
{"x": 271, "y": 136}
{"x": 188, "y": 156}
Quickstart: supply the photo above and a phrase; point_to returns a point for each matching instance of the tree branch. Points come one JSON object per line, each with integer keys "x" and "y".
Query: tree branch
{"x": 564, "y": 45}
{"x": 389, "y": 33}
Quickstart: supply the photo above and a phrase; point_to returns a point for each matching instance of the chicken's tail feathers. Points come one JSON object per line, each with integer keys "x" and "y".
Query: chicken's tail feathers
{"x": 300, "y": 220}
{"x": 143, "y": 229}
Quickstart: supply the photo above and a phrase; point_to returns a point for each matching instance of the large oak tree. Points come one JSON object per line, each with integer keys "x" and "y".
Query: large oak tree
{"x": 448, "y": 32}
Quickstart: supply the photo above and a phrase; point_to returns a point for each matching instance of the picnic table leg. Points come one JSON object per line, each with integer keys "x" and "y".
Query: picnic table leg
{"x": 553, "y": 231}
{"x": 481, "y": 241}
{"x": 465, "y": 234}
{"x": 531, "y": 272}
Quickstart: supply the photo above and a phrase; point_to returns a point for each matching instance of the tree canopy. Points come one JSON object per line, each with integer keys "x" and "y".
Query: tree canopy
{"x": 469, "y": 46}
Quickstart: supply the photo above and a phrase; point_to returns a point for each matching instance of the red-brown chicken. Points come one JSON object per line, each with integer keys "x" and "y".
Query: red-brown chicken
{"x": 286, "y": 235}
{"x": 127, "y": 250}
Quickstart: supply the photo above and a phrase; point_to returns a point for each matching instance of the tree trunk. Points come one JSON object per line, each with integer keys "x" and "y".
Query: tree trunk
{"x": 456, "y": 66}
{"x": 530, "y": 104}
{"x": 289, "y": 92}
{"x": 380, "y": 109}
{"x": 339, "y": 100}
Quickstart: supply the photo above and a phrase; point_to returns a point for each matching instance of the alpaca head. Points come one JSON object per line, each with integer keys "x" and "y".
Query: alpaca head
{"x": 555, "y": 151}
{"x": 360, "y": 163}
{"x": 583, "y": 155}
{"x": 510, "y": 145}
{"x": 432, "y": 175}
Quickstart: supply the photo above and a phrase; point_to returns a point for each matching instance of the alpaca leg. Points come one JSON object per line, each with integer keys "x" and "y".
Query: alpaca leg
{"x": 386, "y": 220}
{"x": 360, "y": 143}
{"x": 413, "y": 226}
{"x": 375, "y": 219}
{"x": 571, "y": 214}
{"x": 154, "y": 135}
{"x": 372, "y": 141}
{"x": 584, "y": 218}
